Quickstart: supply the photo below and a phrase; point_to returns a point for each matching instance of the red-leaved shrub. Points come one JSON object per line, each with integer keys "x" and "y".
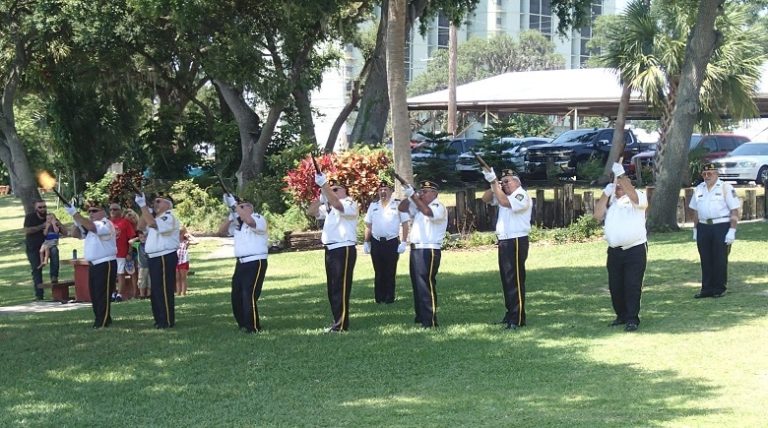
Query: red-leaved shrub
{"x": 359, "y": 170}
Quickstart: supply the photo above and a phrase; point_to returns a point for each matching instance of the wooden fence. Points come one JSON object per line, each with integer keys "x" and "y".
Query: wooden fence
{"x": 473, "y": 214}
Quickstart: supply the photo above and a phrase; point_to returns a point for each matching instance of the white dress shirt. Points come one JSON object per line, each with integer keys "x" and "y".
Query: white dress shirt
{"x": 385, "y": 221}
{"x": 625, "y": 221}
{"x": 514, "y": 221}
{"x": 428, "y": 232}
{"x": 340, "y": 227}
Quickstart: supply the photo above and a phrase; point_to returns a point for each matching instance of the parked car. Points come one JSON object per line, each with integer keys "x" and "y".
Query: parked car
{"x": 572, "y": 148}
{"x": 747, "y": 162}
{"x": 714, "y": 145}
{"x": 510, "y": 150}
{"x": 448, "y": 151}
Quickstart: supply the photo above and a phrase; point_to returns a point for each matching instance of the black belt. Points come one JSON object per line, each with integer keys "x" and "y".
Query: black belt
{"x": 382, "y": 239}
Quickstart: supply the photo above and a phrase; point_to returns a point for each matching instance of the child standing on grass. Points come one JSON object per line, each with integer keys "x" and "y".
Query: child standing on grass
{"x": 142, "y": 263}
{"x": 182, "y": 268}
{"x": 52, "y": 233}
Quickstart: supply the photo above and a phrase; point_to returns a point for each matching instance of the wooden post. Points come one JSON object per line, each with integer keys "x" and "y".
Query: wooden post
{"x": 638, "y": 172}
{"x": 589, "y": 203}
{"x": 549, "y": 213}
{"x": 578, "y": 206}
{"x": 649, "y": 193}
{"x": 688, "y": 212}
{"x": 558, "y": 207}
{"x": 761, "y": 206}
{"x": 460, "y": 211}
{"x": 750, "y": 205}
{"x": 681, "y": 209}
{"x": 568, "y": 204}
{"x": 452, "y": 219}
{"x": 540, "y": 207}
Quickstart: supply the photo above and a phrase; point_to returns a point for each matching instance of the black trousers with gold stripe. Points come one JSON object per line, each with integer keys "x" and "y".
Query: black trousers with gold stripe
{"x": 162, "y": 276}
{"x": 247, "y": 282}
{"x": 101, "y": 279}
{"x": 423, "y": 269}
{"x": 339, "y": 266}
{"x": 384, "y": 256}
{"x": 512, "y": 255}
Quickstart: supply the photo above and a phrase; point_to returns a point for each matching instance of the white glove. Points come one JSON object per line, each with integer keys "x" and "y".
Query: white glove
{"x": 489, "y": 175}
{"x": 232, "y": 216}
{"x": 320, "y": 179}
{"x": 141, "y": 201}
{"x": 730, "y": 236}
{"x": 229, "y": 200}
{"x": 609, "y": 189}
{"x": 401, "y": 248}
{"x": 367, "y": 247}
{"x": 71, "y": 210}
{"x": 323, "y": 199}
{"x": 408, "y": 191}
{"x": 694, "y": 233}
{"x": 617, "y": 169}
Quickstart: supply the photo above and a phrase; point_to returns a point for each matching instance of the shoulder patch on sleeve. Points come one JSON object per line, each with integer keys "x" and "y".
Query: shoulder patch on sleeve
{"x": 519, "y": 197}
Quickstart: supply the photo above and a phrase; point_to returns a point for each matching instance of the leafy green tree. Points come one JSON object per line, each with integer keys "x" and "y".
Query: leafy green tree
{"x": 648, "y": 47}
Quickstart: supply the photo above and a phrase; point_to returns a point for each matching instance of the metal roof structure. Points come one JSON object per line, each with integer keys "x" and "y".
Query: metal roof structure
{"x": 591, "y": 91}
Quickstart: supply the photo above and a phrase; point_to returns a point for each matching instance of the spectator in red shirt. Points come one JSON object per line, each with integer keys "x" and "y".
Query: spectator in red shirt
{"x": 125, "y": 231}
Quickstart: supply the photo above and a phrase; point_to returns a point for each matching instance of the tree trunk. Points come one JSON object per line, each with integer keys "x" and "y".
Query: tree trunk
{"x": 251, "y": 164}
{"x": 618, "y": 143}
{"x": 12, "y": 152}
{"x": 303, "y": 105}
{"x": 374, "y": 104}
{"x": 662, "y": 213}
{"x": 452, "y": 59}
{"x": 401, "y": 128}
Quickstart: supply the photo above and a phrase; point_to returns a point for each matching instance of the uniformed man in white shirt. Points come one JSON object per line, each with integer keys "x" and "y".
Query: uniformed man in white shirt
{"x": 428, "y": 225}
{"x": 512, "y": 227}
{"x": 716, "y": 215}
{"x": 339, "y": 237}
{"x": 383, "y": 224}
{"x": 162, "y": 243}
{"x": 623, "y": 209}
{"x": 251, "y": 248}
{"x": 101, "y": 254}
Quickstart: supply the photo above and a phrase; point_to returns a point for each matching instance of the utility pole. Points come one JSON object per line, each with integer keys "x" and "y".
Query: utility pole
{"x": 452, "y": 47}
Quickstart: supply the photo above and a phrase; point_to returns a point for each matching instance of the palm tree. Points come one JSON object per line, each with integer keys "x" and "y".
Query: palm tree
{"x": 648, "y": 48}
{"x": 401, "y": 127}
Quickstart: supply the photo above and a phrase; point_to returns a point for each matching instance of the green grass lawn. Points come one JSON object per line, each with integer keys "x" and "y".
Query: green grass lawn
{"x": 692, "y": 363}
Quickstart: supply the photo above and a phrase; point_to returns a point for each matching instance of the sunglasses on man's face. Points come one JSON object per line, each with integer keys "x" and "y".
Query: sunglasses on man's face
{"x": 93, "y": 210}
{"x": 42, "y": 207}
{"x": 114, "y": 209}
{"x": 336, "y": 189}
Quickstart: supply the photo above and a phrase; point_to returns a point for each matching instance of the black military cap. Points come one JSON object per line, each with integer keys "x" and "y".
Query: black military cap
{"x": 428, "y": 184}
{"x": 166, "y": 196}
{"x": 508, "y": 173}
{"x": 385, "y": 183}
{"x": 709, "y": 166}
{"x": 335, "y": 182}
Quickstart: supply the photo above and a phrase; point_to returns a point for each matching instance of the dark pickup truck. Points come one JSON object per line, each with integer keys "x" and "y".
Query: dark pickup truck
{"x": 574, "y": 147}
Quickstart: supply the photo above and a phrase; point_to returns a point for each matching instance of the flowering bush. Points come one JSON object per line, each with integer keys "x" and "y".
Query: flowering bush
{"x": 360, "y": 170}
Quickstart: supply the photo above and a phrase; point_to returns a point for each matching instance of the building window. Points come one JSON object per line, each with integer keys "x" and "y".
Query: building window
{"x": 540, "y": 17}
{"x": 443, "y": 30}
{"x": 586, "y": 33}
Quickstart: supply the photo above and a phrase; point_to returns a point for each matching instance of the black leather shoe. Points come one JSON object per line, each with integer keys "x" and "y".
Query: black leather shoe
{"x": 616, "y": 322}
{"x": 720, "y": 294}
{"x": 701, "y": 296}
{"x": 631, "y": 327}
{"x": 511, "y": 326}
